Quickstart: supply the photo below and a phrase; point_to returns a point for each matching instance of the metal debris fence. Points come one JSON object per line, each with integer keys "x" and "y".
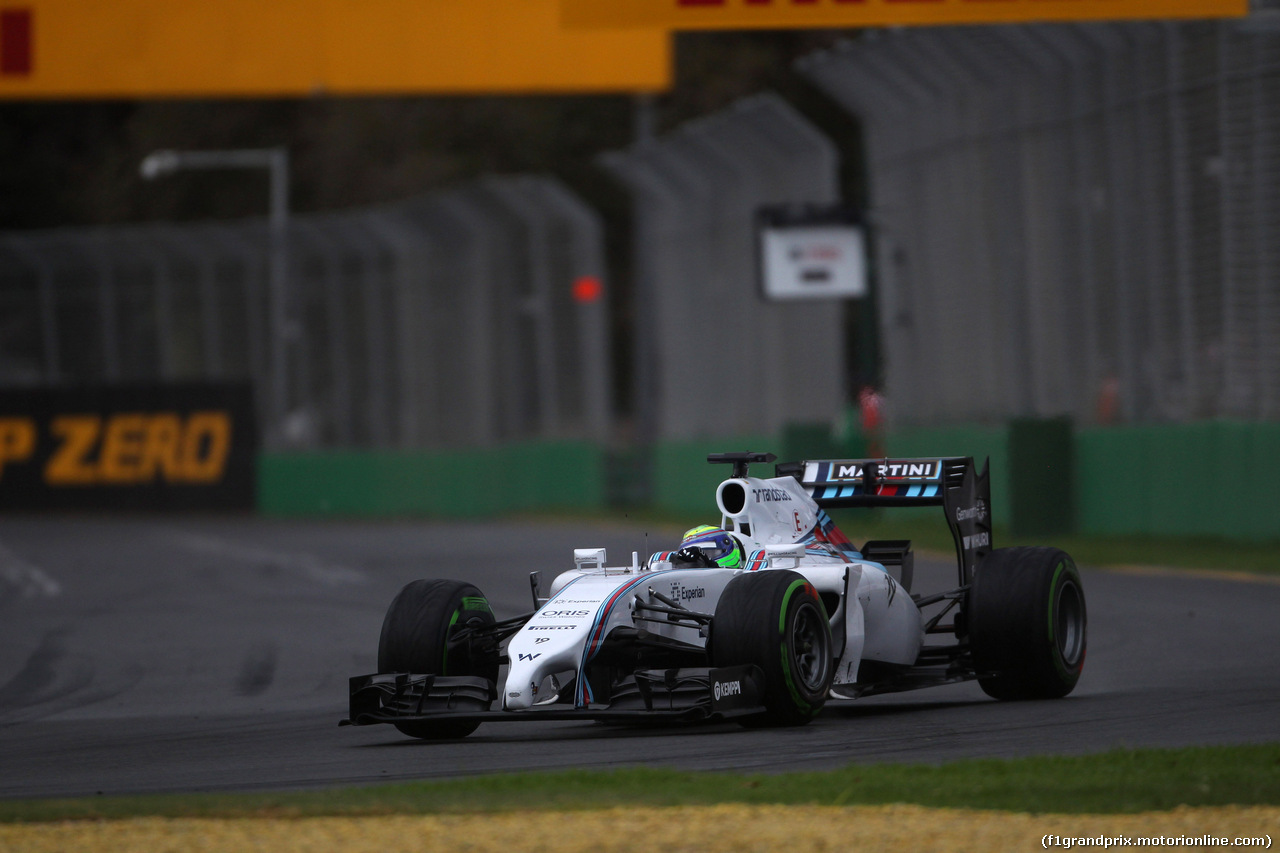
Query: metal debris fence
{"x": 450, "y": 320}
{"x": 1074, "y": 219}
{"x": 712, "y": 357}
{"x": 1068, "y": 219}
{"x": 447, "y": 320}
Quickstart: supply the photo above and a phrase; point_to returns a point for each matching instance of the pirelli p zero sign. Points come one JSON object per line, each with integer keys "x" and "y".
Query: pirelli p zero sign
{"x": 128, "y": 447}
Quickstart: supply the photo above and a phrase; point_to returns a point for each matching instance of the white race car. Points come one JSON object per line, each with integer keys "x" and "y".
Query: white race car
{"x": 763, "y": 619}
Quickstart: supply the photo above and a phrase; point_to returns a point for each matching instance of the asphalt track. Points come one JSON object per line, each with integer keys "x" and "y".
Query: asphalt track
{"x": 205, "y": 654}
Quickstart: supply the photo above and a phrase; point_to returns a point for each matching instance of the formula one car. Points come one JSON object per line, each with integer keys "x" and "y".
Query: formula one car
{"x": 763, "y": 619}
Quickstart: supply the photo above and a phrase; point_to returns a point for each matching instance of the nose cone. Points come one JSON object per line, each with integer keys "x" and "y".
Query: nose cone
{"x": 526, "y": 674}
{"x": 517, "y": 697}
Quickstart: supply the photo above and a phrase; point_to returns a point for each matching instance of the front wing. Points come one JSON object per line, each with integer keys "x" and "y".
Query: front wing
{"x": 687, "y": 694}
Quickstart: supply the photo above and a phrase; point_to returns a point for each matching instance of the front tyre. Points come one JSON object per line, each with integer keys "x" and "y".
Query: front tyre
{"x": 775, "y": 620}
{"x": 1027, "y": 623}
{"x": 416, "y": 634}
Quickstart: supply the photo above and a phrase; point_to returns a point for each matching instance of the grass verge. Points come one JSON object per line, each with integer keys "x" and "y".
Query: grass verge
{"x": 1117, "y": 782}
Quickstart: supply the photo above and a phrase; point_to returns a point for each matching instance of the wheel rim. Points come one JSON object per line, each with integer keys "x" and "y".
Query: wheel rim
{"x": 1068, "y": 627}
{"x": 809, "y": 650}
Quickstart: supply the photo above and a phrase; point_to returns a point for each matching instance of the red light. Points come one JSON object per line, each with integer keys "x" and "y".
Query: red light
{"x": 586, "y": 289}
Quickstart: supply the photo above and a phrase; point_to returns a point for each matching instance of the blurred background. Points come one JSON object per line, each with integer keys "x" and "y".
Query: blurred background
{"x": 440, "y": 261}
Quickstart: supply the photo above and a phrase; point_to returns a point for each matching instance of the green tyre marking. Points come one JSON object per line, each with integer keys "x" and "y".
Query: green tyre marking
{"x": 476, "y": 602}
{"x": 444, "y": 664}
{"x": 786, "y": 599}
{"x": 804, "y": 706}
{"x": 1054, "y": 598}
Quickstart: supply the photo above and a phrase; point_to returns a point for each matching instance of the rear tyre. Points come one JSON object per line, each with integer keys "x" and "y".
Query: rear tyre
{"x": 1027, "y": 623}
{"x": 415, "y": 638}
{"x": 775, "y": 620}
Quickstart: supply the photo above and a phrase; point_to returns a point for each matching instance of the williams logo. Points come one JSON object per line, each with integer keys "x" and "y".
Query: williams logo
{"x": 977, "y": 540}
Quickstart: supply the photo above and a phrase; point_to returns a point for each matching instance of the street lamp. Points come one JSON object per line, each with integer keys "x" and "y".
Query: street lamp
{"x": 276, "y": 161}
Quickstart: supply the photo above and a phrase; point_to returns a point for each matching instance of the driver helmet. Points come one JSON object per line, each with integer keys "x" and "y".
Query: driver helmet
{"x": 720, "y": 547}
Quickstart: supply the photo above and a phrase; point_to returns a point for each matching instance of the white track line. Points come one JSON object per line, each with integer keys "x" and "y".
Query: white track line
{"x": 307, "y": 565}
{"x": 30, "y": 580}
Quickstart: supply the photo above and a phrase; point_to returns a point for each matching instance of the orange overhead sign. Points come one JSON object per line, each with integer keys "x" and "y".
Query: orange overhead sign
{"x": 231, "y": 48}
{"x": 812, "y": 14}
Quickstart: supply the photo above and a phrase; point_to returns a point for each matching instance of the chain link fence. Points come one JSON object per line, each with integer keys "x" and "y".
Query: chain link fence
{"x": 1073, "y": 219}
{"x": 447, "y": 320}
{"x": 468, "y": 317}
{"x": 712, "y": 357}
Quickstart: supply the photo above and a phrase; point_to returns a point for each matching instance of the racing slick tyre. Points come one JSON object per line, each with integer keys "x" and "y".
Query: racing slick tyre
{"x": 775, "y": 620}
{"x": 1027, "y": 621}
{"x": 415, "y": 638}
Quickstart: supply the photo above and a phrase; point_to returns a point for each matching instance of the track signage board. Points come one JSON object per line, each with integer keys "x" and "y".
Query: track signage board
{"x": 814, "y": 14}
{"x": 811, "y": 253}
{"x": 128, "y": 447}
{"x": 302, "y": 48}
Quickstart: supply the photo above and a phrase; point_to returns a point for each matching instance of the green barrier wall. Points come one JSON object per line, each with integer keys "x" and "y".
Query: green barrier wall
{"x": 1218, "y": 479}
{"x": 685, "y": 483}
{"x": 458, "y": 483}
{"x": 1213, "y": 479}
{"x": 1042, "y": 478}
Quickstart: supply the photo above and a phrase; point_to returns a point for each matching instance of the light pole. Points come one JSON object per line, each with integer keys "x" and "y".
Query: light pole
{"x": 276, "y": 161}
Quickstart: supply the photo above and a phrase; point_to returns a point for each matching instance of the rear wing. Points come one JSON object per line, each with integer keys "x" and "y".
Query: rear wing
{"x": 951, "y": 483}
